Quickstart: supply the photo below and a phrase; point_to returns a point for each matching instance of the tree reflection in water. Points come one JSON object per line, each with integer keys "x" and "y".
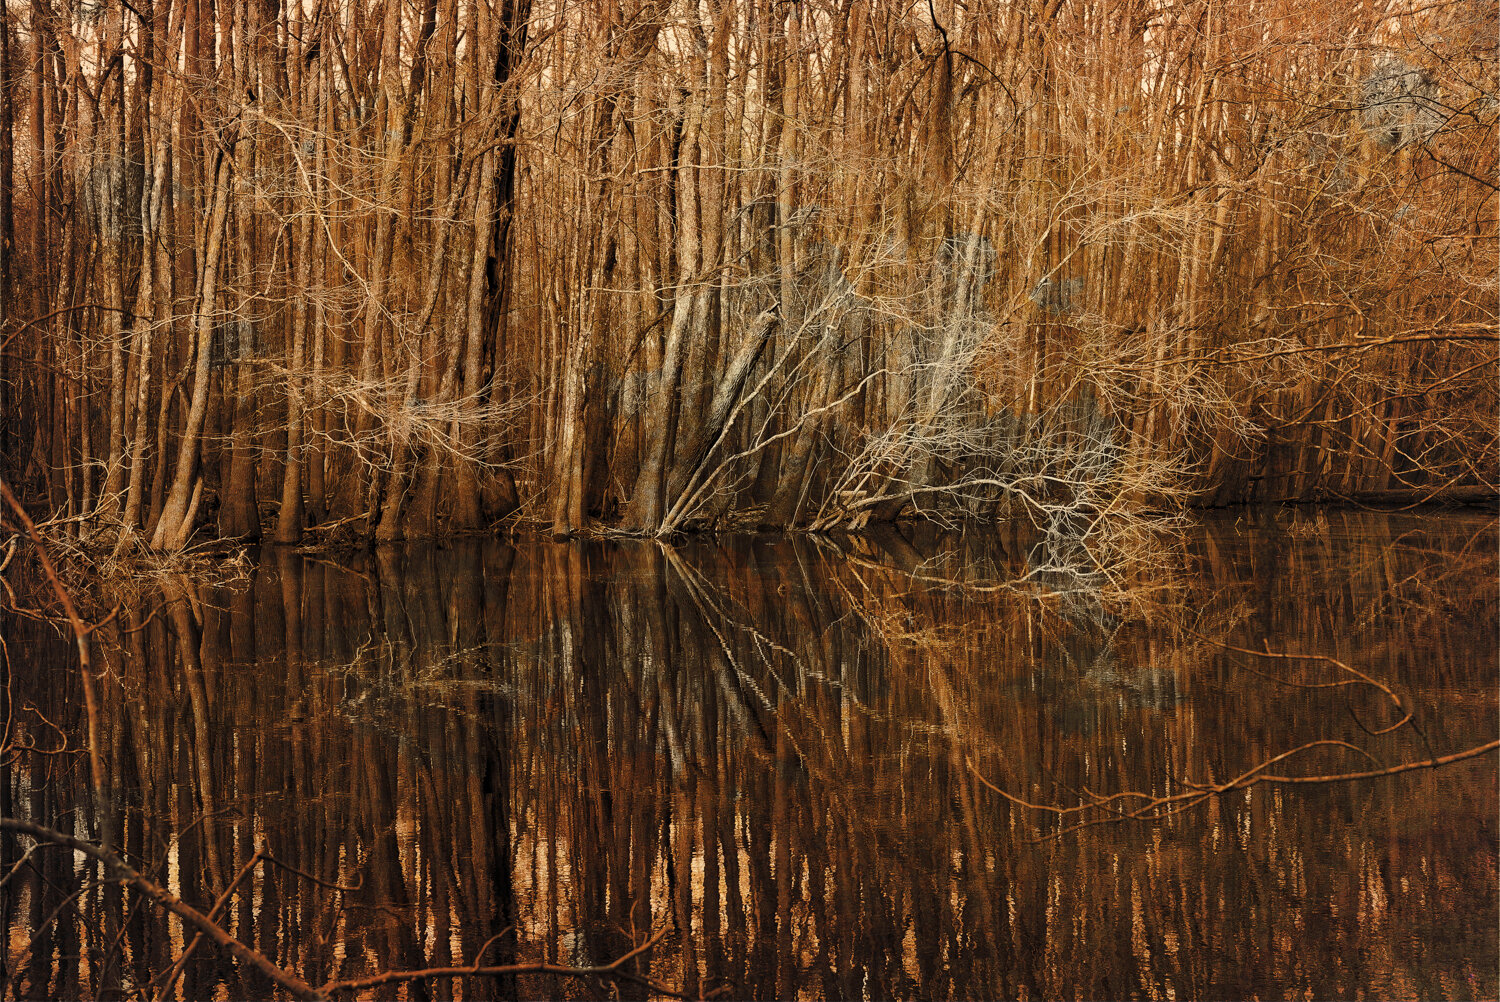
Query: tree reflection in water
{"x": 548, "y": 751}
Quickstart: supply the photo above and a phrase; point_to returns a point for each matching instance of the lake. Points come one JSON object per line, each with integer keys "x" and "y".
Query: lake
{"x": 785, "y": 757}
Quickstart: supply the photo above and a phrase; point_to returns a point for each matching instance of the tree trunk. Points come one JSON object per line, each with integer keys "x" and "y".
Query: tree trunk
{"x": 175, "y": 525}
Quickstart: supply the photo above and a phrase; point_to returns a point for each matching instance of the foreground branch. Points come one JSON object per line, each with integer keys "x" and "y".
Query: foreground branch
{"x": 85, "y": 667}
{"x": 613, "y": 969}
{"x": 118, "y": 870}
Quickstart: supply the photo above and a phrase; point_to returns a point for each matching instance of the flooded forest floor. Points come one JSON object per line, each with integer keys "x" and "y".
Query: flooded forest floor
{"x": 866, "y": 767}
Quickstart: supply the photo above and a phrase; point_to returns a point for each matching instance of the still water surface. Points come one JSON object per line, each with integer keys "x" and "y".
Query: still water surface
{"x": 782, "y": 751}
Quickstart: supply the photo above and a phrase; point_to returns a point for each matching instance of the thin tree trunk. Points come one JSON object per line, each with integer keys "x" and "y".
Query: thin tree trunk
{"x": 175, "y": 527}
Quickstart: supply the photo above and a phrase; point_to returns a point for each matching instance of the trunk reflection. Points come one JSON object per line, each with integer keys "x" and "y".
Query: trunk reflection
{"x": 546, "y": 752}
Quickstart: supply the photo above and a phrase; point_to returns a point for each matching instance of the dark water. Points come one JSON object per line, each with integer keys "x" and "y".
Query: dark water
{"x": 778, "y": 750}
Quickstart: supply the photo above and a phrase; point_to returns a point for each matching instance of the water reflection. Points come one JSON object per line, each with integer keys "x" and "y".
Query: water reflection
{"x": 547, "y": 751}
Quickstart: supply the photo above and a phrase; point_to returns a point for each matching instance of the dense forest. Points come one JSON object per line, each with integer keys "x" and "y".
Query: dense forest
{"x": 398, "y": 269}
{"x": 863, "y": 273}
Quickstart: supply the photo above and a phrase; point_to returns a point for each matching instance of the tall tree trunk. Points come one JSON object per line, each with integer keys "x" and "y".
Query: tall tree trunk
{"x": 290, "y": 517}
{"x": 7, "y": 224}
{"x": 175, "y": 526}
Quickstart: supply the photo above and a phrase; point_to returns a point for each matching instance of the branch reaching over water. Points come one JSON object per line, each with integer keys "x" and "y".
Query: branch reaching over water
{"x": 85, "y": 669}
{"x": 614, "y": 969}
{"x": 116, "y": 869}
{"x": 123, "y": 873}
